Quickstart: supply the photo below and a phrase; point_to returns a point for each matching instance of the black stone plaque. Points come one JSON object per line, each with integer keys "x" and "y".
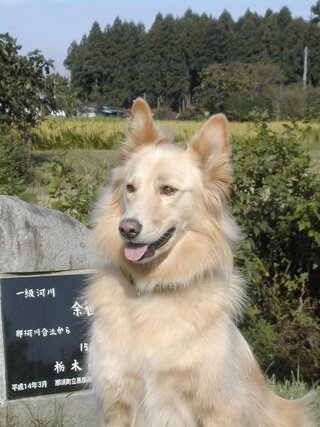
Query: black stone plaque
{"x": 45, "y": 323}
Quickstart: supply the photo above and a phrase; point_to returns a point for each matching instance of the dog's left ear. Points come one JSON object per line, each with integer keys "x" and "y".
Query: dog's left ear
{"x": 212, "y": 150}
{"x": 141, "y": 130}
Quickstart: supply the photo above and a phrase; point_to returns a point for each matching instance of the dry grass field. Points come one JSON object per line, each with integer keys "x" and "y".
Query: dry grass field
{"x": 55, "y": 133}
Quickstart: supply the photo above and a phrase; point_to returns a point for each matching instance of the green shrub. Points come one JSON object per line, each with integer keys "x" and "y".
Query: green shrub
{"x": 15, "y": 169}
{"x": 68, "y": 192}
{"x": 164, "y": 113}
{"x": 276, "y": 201}
{"x": 191, "y": 114}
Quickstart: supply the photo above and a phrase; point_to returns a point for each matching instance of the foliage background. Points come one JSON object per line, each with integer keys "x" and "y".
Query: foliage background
{"x": 197, "y": 61}
{"x": 275, "y": 195}
{"x": 275, "y": 199}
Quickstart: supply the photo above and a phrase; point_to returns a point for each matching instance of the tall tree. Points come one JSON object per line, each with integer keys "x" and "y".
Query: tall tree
{"x": 25, "y": 91}
{"x": 291, "y": 59}
{"x": 74, "y": 62}
{"x": 26, "y": 95}
{"x": 284, "y": 19}
{"x": 165, "y": 63}
{"x": 168, "y": 77}
{"x": 248, "y": 43}
{"x": 238, "y": 88}
{"x": 91, "y": 68}
{"x": 312, "y": 40}
{"x": 193, "y": 41}
{"x": 270, "y": 38}
{"x": 315, "y": 10}
{"x": 225, "y": 39}
{"x": 123, "y": 49}
{"x": 219, "y": 82}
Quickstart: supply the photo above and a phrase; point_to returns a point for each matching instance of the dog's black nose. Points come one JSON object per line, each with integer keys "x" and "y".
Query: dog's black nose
{"x": 129, "y": 228}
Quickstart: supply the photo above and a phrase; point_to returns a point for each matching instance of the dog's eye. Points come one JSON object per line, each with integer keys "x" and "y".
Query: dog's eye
{"x": 130, "y": 188}
{"x": 167, "y": 190}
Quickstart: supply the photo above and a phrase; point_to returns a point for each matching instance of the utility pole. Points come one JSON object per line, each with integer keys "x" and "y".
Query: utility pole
{"x": 305, "y": 68}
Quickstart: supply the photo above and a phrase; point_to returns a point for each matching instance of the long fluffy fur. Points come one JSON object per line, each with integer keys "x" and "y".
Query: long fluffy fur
{"x": 175, "y": 358}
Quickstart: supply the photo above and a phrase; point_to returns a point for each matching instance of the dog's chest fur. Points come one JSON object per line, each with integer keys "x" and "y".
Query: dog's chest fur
{"x": 149, "y": 336}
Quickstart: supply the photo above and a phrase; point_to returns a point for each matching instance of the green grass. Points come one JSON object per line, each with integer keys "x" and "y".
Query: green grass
{"x": 54, "y": 418}
{"x": 88, "y": 163}
{"x": 294, "y": 388}
{"x": 92, "y": 166}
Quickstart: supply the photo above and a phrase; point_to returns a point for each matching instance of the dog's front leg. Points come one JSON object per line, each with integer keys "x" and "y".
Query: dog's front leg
{"x": 164, "y": 405}
{"x": 166, "y": 414}
{"x": 120, "y": 401}
{"x": 117, "y": 414}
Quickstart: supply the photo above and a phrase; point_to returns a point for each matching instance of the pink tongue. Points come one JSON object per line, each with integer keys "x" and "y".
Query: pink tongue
{"x": 134, "y": 252}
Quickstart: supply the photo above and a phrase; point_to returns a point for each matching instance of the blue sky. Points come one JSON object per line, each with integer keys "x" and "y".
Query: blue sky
{"x": 51, "y": 25}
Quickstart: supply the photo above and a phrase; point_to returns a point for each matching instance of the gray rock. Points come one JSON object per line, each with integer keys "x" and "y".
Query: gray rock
{"x": 34, "y": 239}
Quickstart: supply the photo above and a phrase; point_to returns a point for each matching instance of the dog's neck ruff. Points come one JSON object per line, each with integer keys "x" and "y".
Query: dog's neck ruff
{"x": 158, "y": 289}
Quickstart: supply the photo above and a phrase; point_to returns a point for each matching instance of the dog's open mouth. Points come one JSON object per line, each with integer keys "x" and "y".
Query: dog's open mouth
{"x": 139, "y": 251}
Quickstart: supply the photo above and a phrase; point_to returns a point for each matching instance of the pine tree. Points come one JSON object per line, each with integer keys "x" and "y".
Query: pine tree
{"x": 124, "y": 55}
{"x": 168, "y": 78}
{"x": 86, "y": 64}
{"x": 312, "y": 40}
{"x": 284, "y": 19}
{"x": 226, "y": 38}
{"x": 165, "y": 63}
{"x": 291, "y": 60}
{"x": 269, "y": 35}
{"x": 193, "y": 41}
{"x": 248, "y": 40}
{"x": 93, "y": 65}
{"x": 315, "y": 10}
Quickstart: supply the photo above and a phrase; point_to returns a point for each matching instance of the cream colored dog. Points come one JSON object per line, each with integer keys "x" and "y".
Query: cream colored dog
{"x": 164, "y": 348}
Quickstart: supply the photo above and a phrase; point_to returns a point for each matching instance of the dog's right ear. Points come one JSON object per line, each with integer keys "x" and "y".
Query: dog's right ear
{"x": 212, "y": 150}
{"x": 141, "y": 131}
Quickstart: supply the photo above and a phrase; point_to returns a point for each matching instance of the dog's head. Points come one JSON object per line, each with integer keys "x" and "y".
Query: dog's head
{"x": 168, "y": 205}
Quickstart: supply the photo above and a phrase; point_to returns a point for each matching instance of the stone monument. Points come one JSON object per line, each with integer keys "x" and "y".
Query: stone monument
{"x": 44, "y": 264}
